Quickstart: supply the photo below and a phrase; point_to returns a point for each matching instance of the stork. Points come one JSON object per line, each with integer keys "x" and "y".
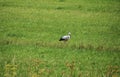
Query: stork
{"x": 65, "y": 38}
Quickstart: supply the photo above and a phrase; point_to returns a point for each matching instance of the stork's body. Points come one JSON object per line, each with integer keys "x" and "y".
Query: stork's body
{"x": 65, "y": 38}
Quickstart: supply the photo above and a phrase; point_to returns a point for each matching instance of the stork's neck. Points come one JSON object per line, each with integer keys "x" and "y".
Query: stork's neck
{"x": 69, "y": 35}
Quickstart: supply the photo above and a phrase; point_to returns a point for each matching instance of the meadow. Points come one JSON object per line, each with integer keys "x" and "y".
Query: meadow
{"x": 30, "y": 32}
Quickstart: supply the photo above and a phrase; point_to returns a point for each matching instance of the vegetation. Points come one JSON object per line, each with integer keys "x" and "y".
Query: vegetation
{"x": 30, "y": 30}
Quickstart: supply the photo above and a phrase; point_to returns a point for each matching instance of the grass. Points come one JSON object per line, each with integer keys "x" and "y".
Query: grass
{"x": 30, "y": 30}
{"x": 42, "y": 60}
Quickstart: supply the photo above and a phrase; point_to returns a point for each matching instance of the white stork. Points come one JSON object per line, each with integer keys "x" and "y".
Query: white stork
{"x": 66, "y": 37}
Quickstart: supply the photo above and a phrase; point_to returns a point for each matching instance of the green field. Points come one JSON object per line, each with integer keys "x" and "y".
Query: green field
{"x": 30, "y": 30}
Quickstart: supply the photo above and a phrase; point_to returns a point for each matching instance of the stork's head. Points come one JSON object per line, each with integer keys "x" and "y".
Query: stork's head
{"x": 69, "y": 33}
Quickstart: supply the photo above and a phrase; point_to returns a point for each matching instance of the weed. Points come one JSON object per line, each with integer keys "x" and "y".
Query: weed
{"x": 10, "y": 69}
{"x": 71, "y": 66}
{"x": 112, "y": 71}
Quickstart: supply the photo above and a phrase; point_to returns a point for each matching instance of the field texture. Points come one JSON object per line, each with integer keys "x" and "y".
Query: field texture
{"x": 30, "y": 30}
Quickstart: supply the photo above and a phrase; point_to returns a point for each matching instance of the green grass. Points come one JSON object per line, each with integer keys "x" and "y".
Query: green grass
{"x": 30, "y": 30}
{"x": 33, "y": 59}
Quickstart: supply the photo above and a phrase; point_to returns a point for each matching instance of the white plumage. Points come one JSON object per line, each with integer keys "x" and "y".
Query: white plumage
{"x": 65, "y": 38}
